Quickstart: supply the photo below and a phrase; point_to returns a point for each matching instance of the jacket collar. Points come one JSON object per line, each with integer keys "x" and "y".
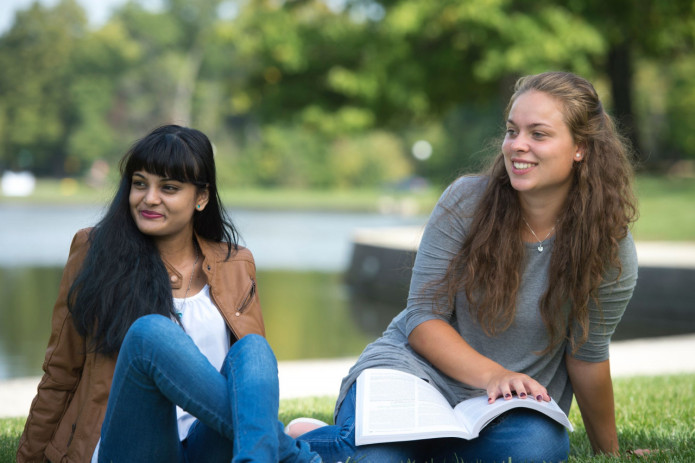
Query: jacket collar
{"x": 207, "y": 249}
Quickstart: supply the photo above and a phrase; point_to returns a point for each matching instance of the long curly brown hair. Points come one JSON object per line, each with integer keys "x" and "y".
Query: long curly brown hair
{"x": 596, "y": 215}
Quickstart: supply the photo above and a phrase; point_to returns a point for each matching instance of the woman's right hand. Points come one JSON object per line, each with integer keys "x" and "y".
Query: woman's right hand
{"x": 504, "y": 383}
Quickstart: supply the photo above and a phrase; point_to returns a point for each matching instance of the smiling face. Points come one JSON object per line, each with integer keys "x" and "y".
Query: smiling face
{"x": 162, "y": 207}
{"x": 538, "y": 148}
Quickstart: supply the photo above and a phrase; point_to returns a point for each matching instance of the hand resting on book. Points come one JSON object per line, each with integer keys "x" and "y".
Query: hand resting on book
{"x": 506, "y": 383}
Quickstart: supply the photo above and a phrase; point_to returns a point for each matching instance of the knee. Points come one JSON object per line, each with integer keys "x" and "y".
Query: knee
{"x": 147, "y": 324}
{"x": 523, "y": 435}
{"x": 254, "y": 344}
{"x": 146, "y": 329}
{"x": 549, "y": 442}
{"x": 253, "y": 351}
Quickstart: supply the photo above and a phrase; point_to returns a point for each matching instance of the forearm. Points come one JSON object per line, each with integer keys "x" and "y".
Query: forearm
{"x": 593, "y": 390}
{"x": 442, "y": 346}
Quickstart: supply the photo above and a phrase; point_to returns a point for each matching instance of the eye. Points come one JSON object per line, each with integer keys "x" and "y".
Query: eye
{"x": 538, "y": 135}
{"x": 510, "y": 132}
{"x": 169, "y": 188}
{"x": 138, "y": 184}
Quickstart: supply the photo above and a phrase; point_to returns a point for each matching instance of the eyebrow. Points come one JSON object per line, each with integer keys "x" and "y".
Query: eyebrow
{"x": 532, "y": 126}
{"x": 164, "y": 179}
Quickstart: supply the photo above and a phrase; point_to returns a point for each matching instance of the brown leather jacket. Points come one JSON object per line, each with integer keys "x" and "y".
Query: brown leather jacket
{"x": 65, "y": 418}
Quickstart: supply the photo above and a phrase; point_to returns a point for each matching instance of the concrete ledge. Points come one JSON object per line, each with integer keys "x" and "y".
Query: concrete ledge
{"x": 663, "y": 303}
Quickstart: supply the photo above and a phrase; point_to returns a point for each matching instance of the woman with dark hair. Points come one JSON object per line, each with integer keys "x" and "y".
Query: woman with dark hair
{"x": 521, "y": 277}
{"x": 157, "y": 350}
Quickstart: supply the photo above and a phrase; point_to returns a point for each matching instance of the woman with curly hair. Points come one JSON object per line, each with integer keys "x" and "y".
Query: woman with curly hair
{"x": 521, "y": 277}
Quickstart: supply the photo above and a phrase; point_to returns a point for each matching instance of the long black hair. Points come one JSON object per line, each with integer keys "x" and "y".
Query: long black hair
{"x": 123, "y": 276}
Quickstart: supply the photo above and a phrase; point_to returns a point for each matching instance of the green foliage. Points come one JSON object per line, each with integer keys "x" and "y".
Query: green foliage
{"x": 35, "y": 58}
{"x": 328, "y": 94}
{"x": 679, "y": 138}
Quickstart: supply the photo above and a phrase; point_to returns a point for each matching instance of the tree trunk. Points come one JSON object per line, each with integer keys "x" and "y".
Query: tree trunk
{"x": 185, "y": 87}
{"x": 620, "y": 72}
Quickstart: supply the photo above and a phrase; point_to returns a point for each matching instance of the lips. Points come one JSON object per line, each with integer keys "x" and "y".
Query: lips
{"x": 151, "y": 215}
{"x": 520, "y": 166}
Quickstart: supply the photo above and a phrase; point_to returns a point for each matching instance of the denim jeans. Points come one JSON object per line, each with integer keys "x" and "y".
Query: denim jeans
{"x": 159, "y": 367}
{"x": 523, "y": 435}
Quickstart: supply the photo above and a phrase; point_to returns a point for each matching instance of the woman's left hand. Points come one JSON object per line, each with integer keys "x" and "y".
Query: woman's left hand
{"x": 503, "y": 383}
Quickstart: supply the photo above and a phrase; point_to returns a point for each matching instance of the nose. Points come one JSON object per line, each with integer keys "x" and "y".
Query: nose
{"x": 519, "y": 143}
{"x": 152, "y": 196}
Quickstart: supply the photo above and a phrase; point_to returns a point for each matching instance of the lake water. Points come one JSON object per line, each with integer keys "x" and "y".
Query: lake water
{"x": 300, "y": 257}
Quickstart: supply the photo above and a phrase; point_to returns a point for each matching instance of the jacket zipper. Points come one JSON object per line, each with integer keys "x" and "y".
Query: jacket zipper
{"x": 72, "y": 434}
{"x": 247, "y": 300}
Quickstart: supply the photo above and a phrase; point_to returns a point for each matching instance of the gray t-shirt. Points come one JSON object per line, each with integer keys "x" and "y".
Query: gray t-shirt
{"x": 515, "y": 348}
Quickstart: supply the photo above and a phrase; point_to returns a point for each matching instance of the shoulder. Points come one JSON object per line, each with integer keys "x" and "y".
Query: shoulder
{"x": 79, "y": 247}
{"x": 626, "y": 272}
{"x": 463, "y": 194}
{"x": 627, "y": 254}
{"x": 627, "y": 251}
{"x": 219, "y": 251}
{"x": 81, "y": 238}
{"x": 466, "y": 188}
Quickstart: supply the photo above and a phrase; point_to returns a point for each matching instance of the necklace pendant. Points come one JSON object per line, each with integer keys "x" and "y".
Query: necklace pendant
{"x": 540, "y": 248}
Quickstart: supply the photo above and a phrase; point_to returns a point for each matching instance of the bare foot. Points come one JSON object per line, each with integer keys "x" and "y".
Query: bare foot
{"x": 299, "y": 426}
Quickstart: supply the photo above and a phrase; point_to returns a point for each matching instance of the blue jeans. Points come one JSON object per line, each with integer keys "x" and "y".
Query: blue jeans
{"x": 523, "y": 435}
{"x": 159, "y": 367}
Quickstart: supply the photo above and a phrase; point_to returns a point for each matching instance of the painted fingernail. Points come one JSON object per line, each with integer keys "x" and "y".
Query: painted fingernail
{"x": 539, "y": 397}
{"x": 507, "y": 396}
{"x": 522, "y": 395}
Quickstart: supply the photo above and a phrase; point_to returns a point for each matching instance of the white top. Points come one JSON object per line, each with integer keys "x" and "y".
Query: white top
{"x": 205, "y": 325}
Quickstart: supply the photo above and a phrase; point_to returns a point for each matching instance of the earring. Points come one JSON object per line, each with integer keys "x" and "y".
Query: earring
{"x": 578, "y": 155}
{"x": 198, "y": 206}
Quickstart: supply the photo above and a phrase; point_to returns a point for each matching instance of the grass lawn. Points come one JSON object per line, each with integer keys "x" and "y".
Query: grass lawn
{"x": 652, "y": 412}
{"x": 666, "y": 204}
{"x": 666, "y": 209}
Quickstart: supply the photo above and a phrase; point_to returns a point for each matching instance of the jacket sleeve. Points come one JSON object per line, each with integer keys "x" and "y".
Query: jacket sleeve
{"x": 63, "y": 364}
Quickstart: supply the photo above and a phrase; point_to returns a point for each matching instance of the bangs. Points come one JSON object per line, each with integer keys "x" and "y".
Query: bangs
{"x": 167, "y": 156}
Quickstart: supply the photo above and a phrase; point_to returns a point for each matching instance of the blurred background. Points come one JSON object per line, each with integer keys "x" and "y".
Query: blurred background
{"x": 326, "y": 116}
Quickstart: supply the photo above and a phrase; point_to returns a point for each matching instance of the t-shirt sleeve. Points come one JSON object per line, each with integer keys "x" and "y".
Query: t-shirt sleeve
{"x": 442, "y": 239}
{"x": 614, "y": 293}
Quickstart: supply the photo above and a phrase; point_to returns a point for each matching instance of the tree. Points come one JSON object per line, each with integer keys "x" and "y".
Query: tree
{"x": 652, "y": 29}
{"x": 35, "y": 67}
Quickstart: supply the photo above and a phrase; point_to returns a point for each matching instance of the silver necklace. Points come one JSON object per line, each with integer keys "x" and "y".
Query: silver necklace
{"x": 190, "y": 280}
{"x": 540, "y": 242}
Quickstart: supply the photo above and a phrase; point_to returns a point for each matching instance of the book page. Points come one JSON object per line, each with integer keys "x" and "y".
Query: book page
{"x": 395, "y": 406}
{"x": 477, "y": 412}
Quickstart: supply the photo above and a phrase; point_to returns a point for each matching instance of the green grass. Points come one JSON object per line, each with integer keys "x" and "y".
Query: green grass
{"x": 10, "y": 430}
{"x": 651, "y": 412}
{"x": 654, "y": 412}
{"x": 667, "y": 211}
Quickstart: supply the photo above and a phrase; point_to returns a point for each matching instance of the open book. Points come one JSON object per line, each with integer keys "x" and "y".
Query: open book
{"x": 393, "y": 406}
